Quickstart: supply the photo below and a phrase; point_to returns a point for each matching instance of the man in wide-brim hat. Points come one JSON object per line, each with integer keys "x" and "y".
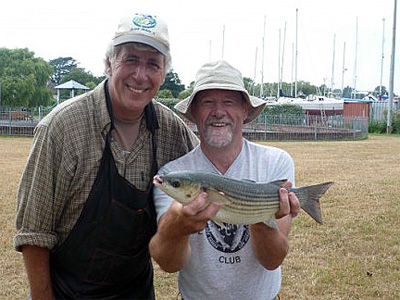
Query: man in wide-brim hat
{"x": 224, "y": 261}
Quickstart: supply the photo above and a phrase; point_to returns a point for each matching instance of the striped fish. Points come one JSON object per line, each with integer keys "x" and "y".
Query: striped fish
{"x": 244, "y": 201}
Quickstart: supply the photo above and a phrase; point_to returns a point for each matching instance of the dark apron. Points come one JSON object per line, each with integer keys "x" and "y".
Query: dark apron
{"x": 106, "y": 255}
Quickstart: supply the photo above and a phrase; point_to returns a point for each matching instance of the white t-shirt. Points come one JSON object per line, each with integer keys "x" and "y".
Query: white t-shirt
{"x": 222, "y": 265}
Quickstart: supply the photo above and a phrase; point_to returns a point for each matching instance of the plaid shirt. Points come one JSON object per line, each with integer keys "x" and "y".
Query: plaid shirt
{"x": 65, "y": 158}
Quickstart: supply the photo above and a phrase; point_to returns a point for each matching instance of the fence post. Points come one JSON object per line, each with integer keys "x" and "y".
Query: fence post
{"x": 9, "y": 121}
{"x": 315, "y": 129}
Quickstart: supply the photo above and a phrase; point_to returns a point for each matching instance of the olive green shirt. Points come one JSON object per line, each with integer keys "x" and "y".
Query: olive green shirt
{"x": 65, "y": 157}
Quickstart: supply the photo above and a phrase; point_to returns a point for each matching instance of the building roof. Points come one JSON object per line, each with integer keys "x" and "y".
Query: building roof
{"x": 72, "y": 84}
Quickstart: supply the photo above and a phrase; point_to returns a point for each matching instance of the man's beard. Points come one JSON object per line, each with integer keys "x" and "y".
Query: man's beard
{"x": 218, "y": 137}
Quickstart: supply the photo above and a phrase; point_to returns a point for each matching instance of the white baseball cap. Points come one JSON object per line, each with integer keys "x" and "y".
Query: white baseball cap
{"x": 220, "y": 75}
{"x": 145, "y": 29}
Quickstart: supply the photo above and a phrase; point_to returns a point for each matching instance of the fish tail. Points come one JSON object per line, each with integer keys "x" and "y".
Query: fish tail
{"x": 309, "y": 199}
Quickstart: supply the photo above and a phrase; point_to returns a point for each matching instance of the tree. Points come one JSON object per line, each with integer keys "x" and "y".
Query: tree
{"x": 61, "y": 67}
{"x": 347, "y": 92}
{"x": 249, "y": 85}
{"x": 172, "y": 83}
{"x": 24, "y": 78}
{"x": 164, "y": 94}
{"x": 324, "y": 89}
{"x": 377, "y": 91}
{"x": 186, "y": 93}
{"x": 306, "y": 88}
{"x": 82, "y": 76}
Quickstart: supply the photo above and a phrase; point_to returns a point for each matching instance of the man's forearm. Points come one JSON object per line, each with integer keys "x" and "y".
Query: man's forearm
{"x": 270, "y": 245}
{"x": 38, "y": 269}
{"x": 171, "y": 251}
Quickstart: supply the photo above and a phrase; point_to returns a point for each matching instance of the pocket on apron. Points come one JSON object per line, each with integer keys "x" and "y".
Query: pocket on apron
{"x": 106, "y": 268}
{"x": 126, "y": 229}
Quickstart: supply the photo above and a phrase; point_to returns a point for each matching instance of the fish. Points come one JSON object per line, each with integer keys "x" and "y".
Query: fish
{"x": 244, "y": 202}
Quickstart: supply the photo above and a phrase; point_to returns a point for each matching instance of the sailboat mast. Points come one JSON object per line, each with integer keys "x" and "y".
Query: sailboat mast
{"x": 295, "y": 59}
{"x": 391, "y": 81}
{"x": 382, "y": 57}
{"x": 255, "y": 72}
{"x": 291, "y": 73}
{"x": 355, "y": 61}
{"x": 262, "y": 64}
{"x": 279, "y": 66}
{"x": 283, "y": 56}
{"x": 343, "y": 67}
{"x": 333, "y": 63}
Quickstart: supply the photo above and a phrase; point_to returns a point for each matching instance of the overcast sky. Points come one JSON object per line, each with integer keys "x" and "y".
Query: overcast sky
{"x": 198, "y": 29}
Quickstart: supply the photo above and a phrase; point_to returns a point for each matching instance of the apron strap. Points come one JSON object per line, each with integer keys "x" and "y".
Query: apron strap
{"x": 152, "y": 125}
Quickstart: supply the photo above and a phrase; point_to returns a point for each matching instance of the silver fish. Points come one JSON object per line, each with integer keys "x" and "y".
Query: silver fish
{"x": 244, "y": 201}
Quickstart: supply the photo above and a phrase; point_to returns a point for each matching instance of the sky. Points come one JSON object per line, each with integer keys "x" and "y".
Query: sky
{"x": 256, "y": 36}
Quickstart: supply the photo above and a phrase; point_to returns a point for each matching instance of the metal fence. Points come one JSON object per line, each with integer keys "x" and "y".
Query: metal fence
{"x": 378, "y": 110}
{"x": 284, "y": 127}
{"x": 17, "y": 122}
{"x": 266, "y": 127}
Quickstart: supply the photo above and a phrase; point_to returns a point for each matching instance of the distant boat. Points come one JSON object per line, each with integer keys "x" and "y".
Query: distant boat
{"x": 315, "y": 105}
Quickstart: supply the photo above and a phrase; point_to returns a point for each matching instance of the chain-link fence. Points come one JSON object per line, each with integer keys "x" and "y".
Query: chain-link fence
{"x": 17, "y": 122}
{"x": 266, "y": 127}
{"x": 308, "y": 127}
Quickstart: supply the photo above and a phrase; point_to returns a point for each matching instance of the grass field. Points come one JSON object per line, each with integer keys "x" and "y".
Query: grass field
{"x": 354, "y": 255}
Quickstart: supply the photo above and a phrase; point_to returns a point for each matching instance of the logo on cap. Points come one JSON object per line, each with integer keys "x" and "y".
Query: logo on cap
{"x": 144, "y": 22}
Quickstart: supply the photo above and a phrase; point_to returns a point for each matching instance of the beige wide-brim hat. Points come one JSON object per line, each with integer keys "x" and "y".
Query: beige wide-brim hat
{"x": 220, "y": 75}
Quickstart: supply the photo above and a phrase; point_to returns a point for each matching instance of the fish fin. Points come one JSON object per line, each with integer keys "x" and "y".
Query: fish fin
{"x": 249, "y": 180}
{"x": 280, "y": 182}
{"x": 309, "y": 199}
{"x": 271, "y": 222}
{"x": 218, "y": 196}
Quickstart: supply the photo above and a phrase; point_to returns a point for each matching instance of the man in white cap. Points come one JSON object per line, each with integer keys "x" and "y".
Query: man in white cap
{"x": 85, "y": 207}
{"x": 234, "y": 261}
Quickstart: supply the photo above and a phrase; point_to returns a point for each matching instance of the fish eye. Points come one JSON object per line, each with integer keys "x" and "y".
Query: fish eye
{"x": 176, "y": 183}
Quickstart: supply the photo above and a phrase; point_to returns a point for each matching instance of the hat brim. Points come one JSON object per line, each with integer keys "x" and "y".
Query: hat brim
{"x": 256, "y": 104}
{"x": 139, "y": 38}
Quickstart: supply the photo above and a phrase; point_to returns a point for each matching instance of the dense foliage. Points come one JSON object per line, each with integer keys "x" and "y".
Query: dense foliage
{"x": 381, "y": 126}
{"x": 173, "y": 84}
{"x": 23, "y": 78}
{"x": 169, "y": 102}
{"x": 81, "y": 76}
{"x": 61, "y": 67}
{"x": 284, "y": 109}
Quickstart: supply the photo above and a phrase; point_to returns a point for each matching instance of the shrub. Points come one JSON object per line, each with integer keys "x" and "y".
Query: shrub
{"x": 169, "y": 102}
{"x": 381, "y": 126}
{"x": 284, "y": 109}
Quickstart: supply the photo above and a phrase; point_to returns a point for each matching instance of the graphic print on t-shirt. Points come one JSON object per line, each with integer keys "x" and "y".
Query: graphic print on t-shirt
{"x": 228, "y": 238}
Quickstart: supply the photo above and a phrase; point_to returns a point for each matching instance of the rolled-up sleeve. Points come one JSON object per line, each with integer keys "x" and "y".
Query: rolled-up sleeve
{"x": 35, "y": 198}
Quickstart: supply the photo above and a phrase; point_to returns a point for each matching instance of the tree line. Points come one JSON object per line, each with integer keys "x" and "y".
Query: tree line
{"x": 28, "y": 81}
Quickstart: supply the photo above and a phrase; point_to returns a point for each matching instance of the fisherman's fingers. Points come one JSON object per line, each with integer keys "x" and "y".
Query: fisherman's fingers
{"x": 210, "y": 211}
{"x": 287, "y": 184}
{"x": 294, "y": 204}
{"x": 284, "y": 205}
{"x": 199, "y": 221}
{"x": 198, "y": 212}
